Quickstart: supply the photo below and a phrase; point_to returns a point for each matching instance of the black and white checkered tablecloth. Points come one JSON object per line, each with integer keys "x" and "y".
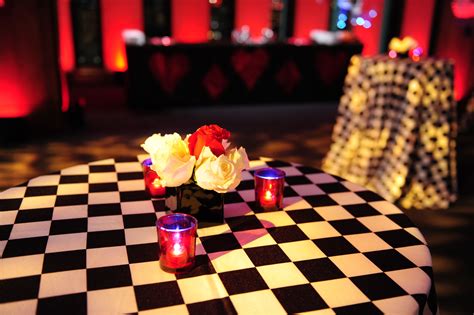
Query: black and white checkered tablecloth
{"x": 84, "y": 240}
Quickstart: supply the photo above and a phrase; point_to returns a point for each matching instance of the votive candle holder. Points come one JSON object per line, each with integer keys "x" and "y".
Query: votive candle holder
{"x": 152, "y": 181}
{"x": 177, "y": 242}
{"x": 269, "y": 187}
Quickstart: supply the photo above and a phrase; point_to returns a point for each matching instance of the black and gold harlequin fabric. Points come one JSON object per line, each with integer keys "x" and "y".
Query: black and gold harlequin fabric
{"x": 395, "y": 131}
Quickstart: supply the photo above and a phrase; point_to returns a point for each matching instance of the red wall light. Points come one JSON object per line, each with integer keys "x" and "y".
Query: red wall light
{"x": 190, "y": 20}
{"x": 255, "y": 14}
{"x": 463, "y": 9}
{"x": 417, "y": 19}
{"x": 370, "y": 37}
{"x": 18, "y": 94}
{"x": 12, "y": 101}
{"x": 117, "y": 16}
{"x": 309, "y": 15}
{"x": 66, "y": 44}
{"x": 456, "y": 44}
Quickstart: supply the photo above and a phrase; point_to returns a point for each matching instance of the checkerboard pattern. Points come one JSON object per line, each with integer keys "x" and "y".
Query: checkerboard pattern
{"x": 84, "y": 240}
{"x": 396, "y": 130}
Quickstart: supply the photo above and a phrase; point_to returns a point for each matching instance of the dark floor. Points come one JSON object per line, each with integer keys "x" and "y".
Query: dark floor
{"x": 297, "y": 133}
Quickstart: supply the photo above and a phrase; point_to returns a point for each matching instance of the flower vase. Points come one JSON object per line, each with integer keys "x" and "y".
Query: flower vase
{"x": 207, "y": 206}
{"x": 171, "y": 204}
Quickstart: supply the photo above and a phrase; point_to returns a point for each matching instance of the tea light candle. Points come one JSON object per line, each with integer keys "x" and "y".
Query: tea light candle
{"x": 177, "y": 241}
{"x": 152, "y": 180}
{"x": 269, "y": 186}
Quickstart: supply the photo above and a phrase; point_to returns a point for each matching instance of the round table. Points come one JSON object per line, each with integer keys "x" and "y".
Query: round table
{"x": 84, "y": 240}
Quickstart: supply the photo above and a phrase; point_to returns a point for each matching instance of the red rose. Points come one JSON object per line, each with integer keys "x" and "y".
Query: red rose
{"x": 210, "y": 136}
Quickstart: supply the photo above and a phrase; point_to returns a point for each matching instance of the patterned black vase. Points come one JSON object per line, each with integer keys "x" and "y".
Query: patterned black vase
{"x": 207, "y": 206}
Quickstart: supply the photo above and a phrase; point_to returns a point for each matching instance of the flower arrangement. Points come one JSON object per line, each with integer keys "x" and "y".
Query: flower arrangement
{"x": 203, "y": 158}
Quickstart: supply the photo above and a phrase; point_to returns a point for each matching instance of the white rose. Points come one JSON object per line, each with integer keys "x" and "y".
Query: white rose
{"x": 240, "y": 158}
{"x": 152, "y": 143}
{"x": 222, "y": 173}
{"x": 171, "y": 159}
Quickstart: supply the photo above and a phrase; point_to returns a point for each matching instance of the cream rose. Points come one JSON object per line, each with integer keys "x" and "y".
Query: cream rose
{"x": 240, "y": 158}
{"x": 171, "y": 159}
{"x": 222, "y": 173}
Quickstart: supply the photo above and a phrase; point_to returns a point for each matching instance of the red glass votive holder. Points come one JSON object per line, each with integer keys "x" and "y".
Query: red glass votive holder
{"x": 269, "y": 186}
{"x": 177, "y": 241}
{"x": 152, "y": 181}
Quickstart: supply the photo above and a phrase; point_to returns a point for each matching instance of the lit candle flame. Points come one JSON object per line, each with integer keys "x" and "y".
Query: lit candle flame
{"x": 268, "y": 195}
{"x": 177, "y": 249}
{"x": 156, "y": 183}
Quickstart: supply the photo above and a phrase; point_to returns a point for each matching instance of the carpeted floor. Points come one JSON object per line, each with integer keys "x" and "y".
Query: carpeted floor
{"x": 297, "y": 133}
